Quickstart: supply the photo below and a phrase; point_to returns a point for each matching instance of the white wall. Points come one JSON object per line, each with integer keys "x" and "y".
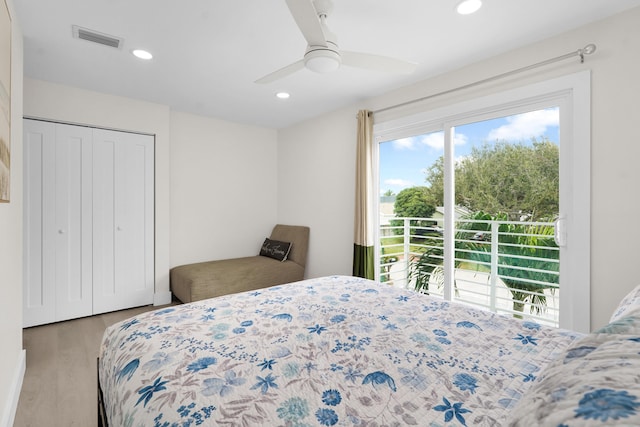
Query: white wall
{"x": 222, "y": 176}
{"x": 316, "y": 187}
{"x": 50, "y": 101}
{"x": 223, "y": 188}
{"x": 320, "y": 153}
{"x": 12, "y": 361}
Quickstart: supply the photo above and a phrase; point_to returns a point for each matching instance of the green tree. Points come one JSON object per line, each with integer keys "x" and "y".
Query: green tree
{"x": 435, "y": 179}
{"x": 517, "y": 179}
{"x": 414, "y": 202}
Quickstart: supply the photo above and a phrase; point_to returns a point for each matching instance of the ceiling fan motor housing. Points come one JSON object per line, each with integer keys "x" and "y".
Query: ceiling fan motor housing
{"x": 322, "y": 59}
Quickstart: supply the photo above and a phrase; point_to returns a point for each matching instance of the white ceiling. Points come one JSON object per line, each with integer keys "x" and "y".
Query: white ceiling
{"x": 208, "y": 53}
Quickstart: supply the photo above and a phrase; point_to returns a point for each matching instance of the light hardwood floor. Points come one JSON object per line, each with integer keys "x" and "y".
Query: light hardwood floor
{"x": 59, "y": 388}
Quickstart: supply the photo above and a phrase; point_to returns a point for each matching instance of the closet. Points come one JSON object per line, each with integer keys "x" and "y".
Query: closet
{"x": 88, "y": 221}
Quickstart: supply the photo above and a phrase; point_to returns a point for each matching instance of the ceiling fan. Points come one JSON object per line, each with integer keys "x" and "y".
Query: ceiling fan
{"x": 322, "y": 54}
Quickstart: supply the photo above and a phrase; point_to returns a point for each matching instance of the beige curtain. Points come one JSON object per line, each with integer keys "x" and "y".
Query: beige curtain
{"x": 364, "y": 244}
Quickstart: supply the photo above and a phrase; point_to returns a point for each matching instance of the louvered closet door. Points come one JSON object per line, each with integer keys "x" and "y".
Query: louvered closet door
{"x": 123, "y": 226}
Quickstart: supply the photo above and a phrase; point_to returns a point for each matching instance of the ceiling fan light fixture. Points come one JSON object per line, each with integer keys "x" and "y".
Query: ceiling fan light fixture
{"x": 322, "y": 60}
{"x": 467, "y": 7}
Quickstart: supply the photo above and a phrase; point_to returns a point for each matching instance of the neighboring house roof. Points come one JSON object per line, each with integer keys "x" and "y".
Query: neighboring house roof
{"x": 460, "y": 211}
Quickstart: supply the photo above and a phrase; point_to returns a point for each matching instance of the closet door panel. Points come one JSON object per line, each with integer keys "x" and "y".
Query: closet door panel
{"x": 104, "y": 286}
{"x": 130, "y": 279}
{"x": 72, "y": 208}
{"x": 39, "y": 293}
{"x": 130, "y": 217}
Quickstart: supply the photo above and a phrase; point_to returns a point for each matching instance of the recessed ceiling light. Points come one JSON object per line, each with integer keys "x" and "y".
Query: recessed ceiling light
{"x": 467, "y": 7}
{"x": 142, "y": 54}
{"x": 283, "y": 95}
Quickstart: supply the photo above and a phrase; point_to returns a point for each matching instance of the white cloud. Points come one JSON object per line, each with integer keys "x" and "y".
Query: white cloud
{"x": 435, "y": 140}
{"x": 460, "y": 139}
{"x": 526, "y": 126}
{"x": 398, "y": 183}
{"x": 405, "y": 143}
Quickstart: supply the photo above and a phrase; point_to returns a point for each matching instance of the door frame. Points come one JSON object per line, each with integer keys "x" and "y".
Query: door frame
{"x": 572, "y": 93}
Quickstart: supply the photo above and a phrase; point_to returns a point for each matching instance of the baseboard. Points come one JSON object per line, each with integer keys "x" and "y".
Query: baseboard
{"x": 11, "y": 405}
{"x": 162, "y": 298}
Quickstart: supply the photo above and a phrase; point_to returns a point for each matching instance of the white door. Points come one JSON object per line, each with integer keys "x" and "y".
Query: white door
{"x": 39, "y": 292}
{"x": 57, "y": 246}
{"x": 88, "y": 219}
{"x": 72, "y": 222}
{"x": 123, "y": 226}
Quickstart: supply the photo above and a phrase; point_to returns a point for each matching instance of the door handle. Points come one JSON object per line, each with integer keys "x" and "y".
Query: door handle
{"x": 559, "y": 234}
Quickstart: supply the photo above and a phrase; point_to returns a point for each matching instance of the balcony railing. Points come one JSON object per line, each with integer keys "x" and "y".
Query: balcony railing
{"x": 508, "y": 267}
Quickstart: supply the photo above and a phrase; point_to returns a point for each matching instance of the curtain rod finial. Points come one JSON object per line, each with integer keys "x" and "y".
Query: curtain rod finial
{"x": 587, "y": 50}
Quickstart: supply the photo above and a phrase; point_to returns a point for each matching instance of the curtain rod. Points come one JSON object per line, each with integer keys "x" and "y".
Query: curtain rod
{"x": 587, "y": 50}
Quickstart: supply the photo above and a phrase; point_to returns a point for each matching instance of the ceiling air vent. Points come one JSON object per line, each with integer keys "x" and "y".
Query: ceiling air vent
{"x": 96, "y": 37}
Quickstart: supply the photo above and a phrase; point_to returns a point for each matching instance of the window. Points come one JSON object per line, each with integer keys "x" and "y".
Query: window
{"x": 476, "y": 200}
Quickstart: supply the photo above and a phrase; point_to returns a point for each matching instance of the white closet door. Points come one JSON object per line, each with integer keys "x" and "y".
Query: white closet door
{"x": 73, "y": 222}
{"x": 57, "y": 215}
{"x": 39, "y": 291}
{"x": 123, "y": 226}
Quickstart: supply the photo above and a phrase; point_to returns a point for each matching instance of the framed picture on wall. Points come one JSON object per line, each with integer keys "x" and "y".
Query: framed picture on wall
{"x": 5, "y": 102}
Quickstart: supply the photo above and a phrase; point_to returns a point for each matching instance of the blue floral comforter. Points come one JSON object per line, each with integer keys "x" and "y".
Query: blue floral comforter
{"x": 331, "y": 351}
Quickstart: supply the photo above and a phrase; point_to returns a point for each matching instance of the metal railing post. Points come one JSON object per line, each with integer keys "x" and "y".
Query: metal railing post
{"x": 407, "y": 249}
{"x": 493, "y": 277}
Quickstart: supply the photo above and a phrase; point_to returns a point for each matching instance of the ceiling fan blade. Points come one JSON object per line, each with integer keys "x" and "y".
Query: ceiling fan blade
{"x": 306, "y": 17}
{"x": 377, "y": 62}
{"x": 282, "y": 72}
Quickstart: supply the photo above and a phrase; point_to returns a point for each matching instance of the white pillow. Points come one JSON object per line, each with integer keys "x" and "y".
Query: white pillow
{"x": 596, "y": 382}
{"x": 629, "y": 303}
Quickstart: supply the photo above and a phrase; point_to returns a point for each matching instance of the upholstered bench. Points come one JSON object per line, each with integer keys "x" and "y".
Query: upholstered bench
{"x": 210, "y": 279}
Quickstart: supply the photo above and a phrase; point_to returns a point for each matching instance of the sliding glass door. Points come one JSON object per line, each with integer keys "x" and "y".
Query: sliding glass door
{"x": 474, "y": 205}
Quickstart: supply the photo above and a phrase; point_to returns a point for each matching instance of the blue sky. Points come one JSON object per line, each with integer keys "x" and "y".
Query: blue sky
{"x": 403, "y": 161}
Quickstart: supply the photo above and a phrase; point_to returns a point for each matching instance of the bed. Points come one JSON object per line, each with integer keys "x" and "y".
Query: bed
{"x": 347, "y": 351}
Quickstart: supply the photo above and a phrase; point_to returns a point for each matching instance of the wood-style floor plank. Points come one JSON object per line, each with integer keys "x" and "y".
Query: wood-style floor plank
{"x": 60, "y": 383}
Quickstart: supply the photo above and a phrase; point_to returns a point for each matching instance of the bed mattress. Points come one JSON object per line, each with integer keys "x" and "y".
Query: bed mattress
{"x": 329, "y": 351}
